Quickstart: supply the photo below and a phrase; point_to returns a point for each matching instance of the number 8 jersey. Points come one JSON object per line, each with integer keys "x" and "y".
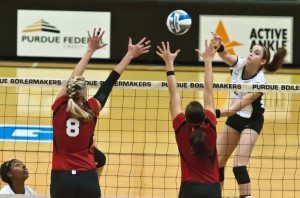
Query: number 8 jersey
{"x": 72, "y": 138}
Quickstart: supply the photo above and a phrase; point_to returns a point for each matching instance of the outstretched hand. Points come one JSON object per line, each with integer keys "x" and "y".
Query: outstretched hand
{"x": 216, "y": 40}
{"x": 95, "y": 40}
{"x": 165, "y": 53}
{"x": 209, "y": 52}
{"x": 141, "y": 47}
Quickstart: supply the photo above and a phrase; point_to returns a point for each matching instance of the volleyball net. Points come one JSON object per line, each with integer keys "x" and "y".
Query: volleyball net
{"x": 135, "y": 132}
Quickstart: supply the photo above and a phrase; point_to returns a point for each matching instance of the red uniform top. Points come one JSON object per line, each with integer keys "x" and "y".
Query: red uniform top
{"x": 73, "y": 138}
{"x": 194, "y": 168}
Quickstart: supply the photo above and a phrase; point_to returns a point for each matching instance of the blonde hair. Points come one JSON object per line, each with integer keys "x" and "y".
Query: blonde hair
{"x": 76, "y": 88}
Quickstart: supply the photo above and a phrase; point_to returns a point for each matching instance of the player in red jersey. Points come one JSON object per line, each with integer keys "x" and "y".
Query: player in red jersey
{"x": 195, "y": 131}
{"x": 74, "y": 119}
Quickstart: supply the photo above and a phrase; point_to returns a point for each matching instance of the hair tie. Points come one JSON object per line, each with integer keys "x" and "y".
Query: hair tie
{"x": 193, "y": 126}
{"x": 203, "y": 126}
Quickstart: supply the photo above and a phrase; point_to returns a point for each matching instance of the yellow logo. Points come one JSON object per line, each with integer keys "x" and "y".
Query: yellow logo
{"x": 41, "y": 26}
{"x": 229, "y": 45}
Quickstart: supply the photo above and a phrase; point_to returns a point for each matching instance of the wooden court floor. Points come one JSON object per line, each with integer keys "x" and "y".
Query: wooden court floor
{"x": 135, "y": 133}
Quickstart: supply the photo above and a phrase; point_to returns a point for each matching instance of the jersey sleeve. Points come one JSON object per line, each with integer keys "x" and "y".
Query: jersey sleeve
{"x": 260, "y": 78}
{"x": 179, "y": 119}
{"x": 93, "y": 104}
{"x": 239, "y": 63}
{"x": 211, "y": 117}
{"x": 58, "y": 101}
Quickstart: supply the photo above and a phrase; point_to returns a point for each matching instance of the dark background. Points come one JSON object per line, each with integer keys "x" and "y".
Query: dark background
{"x": 139, "y": 18}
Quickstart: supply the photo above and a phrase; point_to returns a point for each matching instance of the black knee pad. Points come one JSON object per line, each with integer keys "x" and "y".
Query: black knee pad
{"x": 221, "y": 172}
{"x": 100, "y": 158}
{"x": 241, "y": 175}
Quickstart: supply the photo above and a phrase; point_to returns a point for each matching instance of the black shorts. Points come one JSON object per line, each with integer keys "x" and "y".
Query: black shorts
{"x": 240, "y": 123}
{"x": 83, "y": 184}
{"x": 199, "y": 190}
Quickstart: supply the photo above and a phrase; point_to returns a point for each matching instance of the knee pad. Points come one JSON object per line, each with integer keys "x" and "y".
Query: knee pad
{"x": 100, "y": 158}
{"x": 241, "y": 174}
{"x": 221, "y": 172}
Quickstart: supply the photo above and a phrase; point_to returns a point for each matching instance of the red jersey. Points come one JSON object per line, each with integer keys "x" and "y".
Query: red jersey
{"x": 195, "y": 168}
{"x": 73, "y": 138}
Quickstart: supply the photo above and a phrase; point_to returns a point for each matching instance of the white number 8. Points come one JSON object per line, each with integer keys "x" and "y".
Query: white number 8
{"x": 72, "y": 127}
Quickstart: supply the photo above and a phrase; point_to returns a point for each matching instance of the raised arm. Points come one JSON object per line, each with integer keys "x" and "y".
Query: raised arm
{"x": 207, "y": 56}
{"x": 133, "y": 51}
{"x": 229, "y": 59}
{"x": 240, "y": 104}
{"x": 93, "y": 45}
{"x": 168, "y": 57}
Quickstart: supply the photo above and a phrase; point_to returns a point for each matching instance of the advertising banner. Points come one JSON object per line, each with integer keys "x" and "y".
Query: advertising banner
{"x": 240, "y": 33}
{"x": 46, "y": 33}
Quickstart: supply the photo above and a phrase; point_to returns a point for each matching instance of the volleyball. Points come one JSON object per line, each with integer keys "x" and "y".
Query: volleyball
{"x": 179, "y": 22}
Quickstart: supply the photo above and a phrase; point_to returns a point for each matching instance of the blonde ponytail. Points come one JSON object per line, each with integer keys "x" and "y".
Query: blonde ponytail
{"x": 76, "y": 88}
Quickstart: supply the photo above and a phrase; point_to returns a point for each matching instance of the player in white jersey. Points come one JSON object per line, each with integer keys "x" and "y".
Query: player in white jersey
{"x": 245, "y": 114}
{"x": 256, "y": 107}
{"x": 15, "y": 173}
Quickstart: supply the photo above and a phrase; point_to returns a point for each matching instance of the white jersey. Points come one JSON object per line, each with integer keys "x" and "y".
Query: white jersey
{"x": 236, "y": 77}
{"x": 8, "y": 191}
